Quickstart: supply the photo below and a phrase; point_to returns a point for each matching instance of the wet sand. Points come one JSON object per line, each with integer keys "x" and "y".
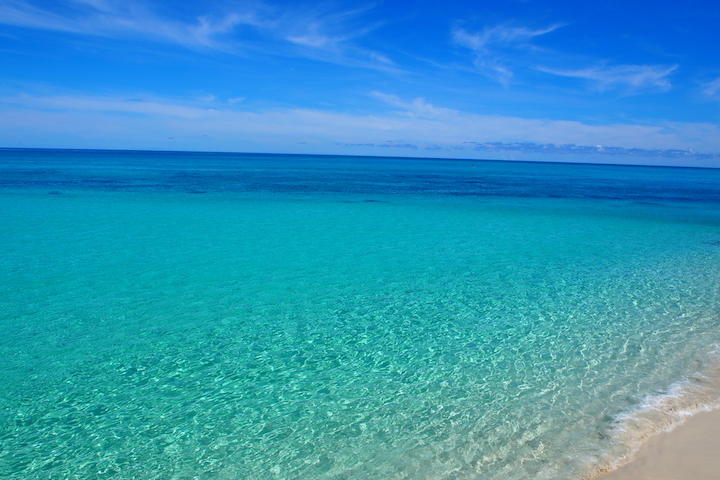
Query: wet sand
{"x": 689, "y": 452}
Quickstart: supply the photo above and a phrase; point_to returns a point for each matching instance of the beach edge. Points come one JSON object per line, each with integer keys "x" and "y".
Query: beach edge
{"x": 687, "y": 452}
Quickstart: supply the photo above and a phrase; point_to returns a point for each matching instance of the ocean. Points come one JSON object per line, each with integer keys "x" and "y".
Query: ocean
{"x": 177, "y": 315}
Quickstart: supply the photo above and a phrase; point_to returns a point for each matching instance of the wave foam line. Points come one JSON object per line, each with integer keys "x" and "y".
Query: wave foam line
{"x": 663, "y": 412}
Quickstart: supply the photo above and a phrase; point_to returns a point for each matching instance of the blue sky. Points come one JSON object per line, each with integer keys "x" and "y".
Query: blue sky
{"x": 610, "y": 81}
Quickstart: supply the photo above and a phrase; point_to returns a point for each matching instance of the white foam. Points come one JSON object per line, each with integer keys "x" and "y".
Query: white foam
{"x": 663, "y": 412}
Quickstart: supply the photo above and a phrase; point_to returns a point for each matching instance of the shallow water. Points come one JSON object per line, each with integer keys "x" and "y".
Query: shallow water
{"x": 169, "y": 315}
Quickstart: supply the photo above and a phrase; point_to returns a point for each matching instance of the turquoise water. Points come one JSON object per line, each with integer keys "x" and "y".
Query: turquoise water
{"x": 217, "y": 316}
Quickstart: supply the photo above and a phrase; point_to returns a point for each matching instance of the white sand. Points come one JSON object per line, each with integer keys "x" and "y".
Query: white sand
{"x": 689, "y": 452}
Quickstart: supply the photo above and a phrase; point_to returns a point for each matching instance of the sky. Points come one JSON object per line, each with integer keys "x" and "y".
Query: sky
{"x": 598, "y": 81}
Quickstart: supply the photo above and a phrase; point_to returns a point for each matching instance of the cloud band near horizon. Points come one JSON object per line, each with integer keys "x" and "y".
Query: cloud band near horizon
{"x": 404, "y": 125}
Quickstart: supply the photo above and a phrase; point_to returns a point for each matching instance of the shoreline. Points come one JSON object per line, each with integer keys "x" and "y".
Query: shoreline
{"x": 687, "y": 452}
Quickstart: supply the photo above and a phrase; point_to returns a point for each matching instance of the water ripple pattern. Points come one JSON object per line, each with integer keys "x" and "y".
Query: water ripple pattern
{"x": 217, "y": 316}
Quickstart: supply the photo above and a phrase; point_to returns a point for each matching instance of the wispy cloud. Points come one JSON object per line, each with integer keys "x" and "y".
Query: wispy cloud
{"x": 125, "y": 20}
{"x": 416, "y": 108}
{"x": 502, "y": 50}
{"x": 539, "y": 150}
{"x": 493, "y": 47}
{"x": 499, "y": 35}
{"x": 632, "y": 78}
{"x": 323, "y": 27}
{"x": 135, "y": 104}
{"x": 712, "y": 89}
{"x": 602, "y": 150}
{"x": 311, "y": 29}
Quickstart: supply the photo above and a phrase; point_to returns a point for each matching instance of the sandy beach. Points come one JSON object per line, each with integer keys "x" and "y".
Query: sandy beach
{"x": 689, "y": 452}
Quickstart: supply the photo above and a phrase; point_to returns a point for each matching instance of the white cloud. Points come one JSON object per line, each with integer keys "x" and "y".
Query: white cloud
{"x": 123, "y": 20}
{"x": 380, "y": 58}
{"x": 418, "y": 107}
{"x": 712, "y": 89}
{"x": 319, "y": 28}
{"x": 71, "y": 104}
{"x": 315, "y": 29}
{"x": 314, "y": 40}
{"x": 502, "y": 49}
{"x": 633, "y": 78}
{"x": 413, "y": 125}
{"x": 327, "y": 34}
{"x": 499, "y": 35}
{"x": 25, "y": 15}
{"x": 492, "y": 47}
